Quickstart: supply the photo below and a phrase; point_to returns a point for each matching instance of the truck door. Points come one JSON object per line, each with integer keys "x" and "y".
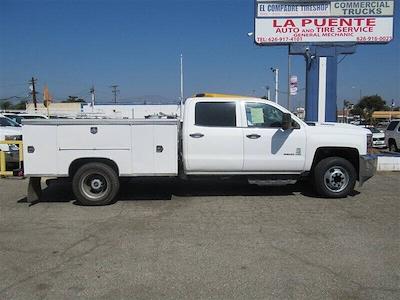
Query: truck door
{"x": 212, "y": 140}
{"x": 267, "y": 147}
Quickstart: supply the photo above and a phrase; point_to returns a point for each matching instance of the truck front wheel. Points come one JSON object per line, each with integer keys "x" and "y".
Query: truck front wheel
{"x": 95, "y": 184}
{"x": 334, "y": 177}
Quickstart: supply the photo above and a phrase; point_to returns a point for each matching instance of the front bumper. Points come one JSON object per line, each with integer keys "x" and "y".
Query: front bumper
{"x": 368, "y": 166}
{"x": 378, "y": 145}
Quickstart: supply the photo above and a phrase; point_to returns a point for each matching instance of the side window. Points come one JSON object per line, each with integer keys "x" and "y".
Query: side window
{"x": 392, "y": 125}
{"x": 215, "y": 114}
{"x": 263, "y": 115}
{"x": 6, "y": 122}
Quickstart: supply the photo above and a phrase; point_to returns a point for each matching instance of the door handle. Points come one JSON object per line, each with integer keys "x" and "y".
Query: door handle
{"x": 196, "y": 135}
{"x": 253, "y": 136}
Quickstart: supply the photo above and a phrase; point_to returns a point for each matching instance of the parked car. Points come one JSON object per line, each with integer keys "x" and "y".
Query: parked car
{"x": 24, "y": 116}
{"x": 10, "y": 130}
{"x": 378, "y": 138}
{"x": 393, "y": 135}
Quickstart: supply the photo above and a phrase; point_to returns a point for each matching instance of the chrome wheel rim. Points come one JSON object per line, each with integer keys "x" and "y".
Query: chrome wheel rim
{"x": 94, "y": 186}
{"x": 336, "y": 179}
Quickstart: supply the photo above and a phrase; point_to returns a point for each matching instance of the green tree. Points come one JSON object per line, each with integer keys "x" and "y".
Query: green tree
{"x": 21, "y": 105}
{"x": 367, "y": 105}
{"x": 74, "y": 99}
{"x": 5, "y": 105}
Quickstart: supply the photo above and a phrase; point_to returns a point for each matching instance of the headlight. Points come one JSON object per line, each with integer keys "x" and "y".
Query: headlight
{"x": 13, "y": 138}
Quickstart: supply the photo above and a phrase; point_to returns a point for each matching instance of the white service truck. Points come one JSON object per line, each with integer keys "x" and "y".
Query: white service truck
{"x": 218, "y": 136}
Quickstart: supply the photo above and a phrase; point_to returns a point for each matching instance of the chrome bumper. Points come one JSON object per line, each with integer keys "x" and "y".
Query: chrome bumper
{"x": 368, "y": 166}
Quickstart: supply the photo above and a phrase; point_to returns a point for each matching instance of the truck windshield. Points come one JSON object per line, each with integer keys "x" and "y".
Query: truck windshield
{"x": 374, "y": 130}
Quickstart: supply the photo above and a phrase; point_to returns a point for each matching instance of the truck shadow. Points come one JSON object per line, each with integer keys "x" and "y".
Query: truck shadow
{"x": 163, "y": 189}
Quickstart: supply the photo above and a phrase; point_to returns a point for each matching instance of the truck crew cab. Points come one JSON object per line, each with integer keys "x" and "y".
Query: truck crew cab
{"x": 218, "y": 136}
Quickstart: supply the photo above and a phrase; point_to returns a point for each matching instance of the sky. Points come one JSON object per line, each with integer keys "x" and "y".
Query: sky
{"x": 136, "y": 44}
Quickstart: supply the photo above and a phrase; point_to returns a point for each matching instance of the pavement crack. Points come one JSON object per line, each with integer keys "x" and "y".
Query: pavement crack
{"x": 328, "y": 270}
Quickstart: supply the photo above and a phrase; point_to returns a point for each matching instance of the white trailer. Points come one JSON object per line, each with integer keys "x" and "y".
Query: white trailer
{"x": 220, "y": 136}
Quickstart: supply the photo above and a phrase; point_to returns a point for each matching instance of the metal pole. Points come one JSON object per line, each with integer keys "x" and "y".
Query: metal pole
{"x": 276, "y": 85}
{"x": 182, "y": 92}
{"x": 182, "y": 78}
{"x": 289, "y": 71}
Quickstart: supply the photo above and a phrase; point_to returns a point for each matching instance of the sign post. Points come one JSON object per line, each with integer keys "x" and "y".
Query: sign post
{"x": 321, "y": 31}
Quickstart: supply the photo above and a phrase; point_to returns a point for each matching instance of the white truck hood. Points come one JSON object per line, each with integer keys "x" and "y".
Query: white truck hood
{"x": 343, "y": 126}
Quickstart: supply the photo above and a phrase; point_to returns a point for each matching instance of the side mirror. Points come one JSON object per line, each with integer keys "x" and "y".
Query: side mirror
{"x": 286, "y": 121}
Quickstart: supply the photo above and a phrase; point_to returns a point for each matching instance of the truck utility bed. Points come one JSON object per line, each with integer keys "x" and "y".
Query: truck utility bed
{"x": 137, "y": 147}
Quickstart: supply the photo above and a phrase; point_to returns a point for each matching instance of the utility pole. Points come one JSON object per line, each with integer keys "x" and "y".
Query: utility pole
{"x": 276, "y": 72}
{"x": 115, "y": 91}
{"x": 268, "y": 93}
{"x": 93, "y": 93}
{"x": 33, "y": 91}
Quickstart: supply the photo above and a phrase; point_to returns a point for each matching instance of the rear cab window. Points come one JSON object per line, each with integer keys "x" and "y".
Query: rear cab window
{"x": 215, "y": 114}
{"x": 5, "y": 122}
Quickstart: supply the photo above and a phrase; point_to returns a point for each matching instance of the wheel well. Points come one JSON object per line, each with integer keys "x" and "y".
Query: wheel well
{"x": 76, "y": 164}
{"x": 350, "y": 154}
{"x": 392, "y": 140}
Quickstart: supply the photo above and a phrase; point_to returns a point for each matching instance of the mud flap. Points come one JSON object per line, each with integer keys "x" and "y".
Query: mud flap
{"x": 34, "y": 189}
{"x": 368, "y": 167}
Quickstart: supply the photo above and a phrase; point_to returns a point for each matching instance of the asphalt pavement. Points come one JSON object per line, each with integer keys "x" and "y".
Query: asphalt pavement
{"x": 202, "y": 240}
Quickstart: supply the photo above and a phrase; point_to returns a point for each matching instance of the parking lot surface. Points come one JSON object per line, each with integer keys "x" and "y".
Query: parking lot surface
{"x": 209, "y": 240}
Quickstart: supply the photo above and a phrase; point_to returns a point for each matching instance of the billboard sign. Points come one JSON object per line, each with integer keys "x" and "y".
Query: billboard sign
{"x": 358, "y": 21}
{"x": 293, "y": 85}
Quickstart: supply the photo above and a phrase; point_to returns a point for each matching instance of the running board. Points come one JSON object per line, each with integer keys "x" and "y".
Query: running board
{"x": 272, "y": 182}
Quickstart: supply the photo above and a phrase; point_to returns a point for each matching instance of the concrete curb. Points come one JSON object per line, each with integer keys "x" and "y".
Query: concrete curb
{"x": 388, "y": 163}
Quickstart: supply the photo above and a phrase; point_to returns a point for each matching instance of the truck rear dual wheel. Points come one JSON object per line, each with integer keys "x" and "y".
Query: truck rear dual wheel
{"x": 334, "y": 177}
{"x": 95, "y": 184}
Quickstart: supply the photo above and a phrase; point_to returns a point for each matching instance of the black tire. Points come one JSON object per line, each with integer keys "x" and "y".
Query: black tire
{"x": 334, "y": 177}
{"x": 393, "y": 146}
{"x": 95, "y": 184}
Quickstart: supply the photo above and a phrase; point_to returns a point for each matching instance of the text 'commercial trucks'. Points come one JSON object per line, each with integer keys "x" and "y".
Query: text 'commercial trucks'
{"x": 218, "y": 136}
